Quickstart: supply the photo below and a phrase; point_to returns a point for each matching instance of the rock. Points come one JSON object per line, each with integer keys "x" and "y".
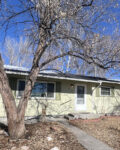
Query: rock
{"x": 13, "y": 148}
{"x": 21, "y": 148}
{"x": 5, "y": 133}
{"x": 24, "y": 148}
{"x": 2, "y": 132}
{"x": 55, "y": 148}
{"x": 49, "y": 139}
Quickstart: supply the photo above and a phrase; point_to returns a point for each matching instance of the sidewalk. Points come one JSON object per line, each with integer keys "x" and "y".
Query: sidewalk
{"x": 89, "y": 142}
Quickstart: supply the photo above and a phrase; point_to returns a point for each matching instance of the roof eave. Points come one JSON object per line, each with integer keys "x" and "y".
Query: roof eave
{"x": 61, "y": 78}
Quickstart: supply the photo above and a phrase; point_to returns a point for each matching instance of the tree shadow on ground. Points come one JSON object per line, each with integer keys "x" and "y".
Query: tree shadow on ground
{"x": 3, "y": 127}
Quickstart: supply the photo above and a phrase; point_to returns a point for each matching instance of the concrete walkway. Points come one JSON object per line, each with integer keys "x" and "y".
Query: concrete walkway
{"x": 89, "y": 142}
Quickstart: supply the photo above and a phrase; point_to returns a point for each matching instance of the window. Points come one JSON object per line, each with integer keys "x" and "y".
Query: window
{"x": 40, "y": 89}
{"x": 105, "y": 91}
{"x": 21, "y": 87}
{"x": 80, "y": 94}
{"x": 50, "y": 89}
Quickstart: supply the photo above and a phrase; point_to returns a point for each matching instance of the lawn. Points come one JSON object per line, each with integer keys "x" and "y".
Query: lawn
{"x": 106, "y": 129}
{"x": 42, "y": 136}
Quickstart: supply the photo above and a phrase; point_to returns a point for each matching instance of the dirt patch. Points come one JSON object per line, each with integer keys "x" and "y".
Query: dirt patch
{"x": 106, "y": 129}
{"x": 42, "y": 136}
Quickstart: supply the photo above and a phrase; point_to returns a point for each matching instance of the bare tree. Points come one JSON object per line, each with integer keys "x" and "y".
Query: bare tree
{"x": 50, "y": 23}
{"x": 18, "y": 52}
{"x": 94, "y": 44}
{"x": 99, "y": 50}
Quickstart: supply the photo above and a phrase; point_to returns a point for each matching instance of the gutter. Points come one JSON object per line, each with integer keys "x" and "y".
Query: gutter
{"x": 62, "y": 78}
{"x": 100, "y": 83}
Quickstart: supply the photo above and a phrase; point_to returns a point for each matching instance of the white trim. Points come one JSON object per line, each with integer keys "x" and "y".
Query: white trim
{"x": 31, "y": 97}
{"x": 83, "y": 106}
{"x": 62, "y": 78}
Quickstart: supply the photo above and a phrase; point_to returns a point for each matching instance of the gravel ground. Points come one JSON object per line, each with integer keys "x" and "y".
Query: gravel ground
{"x": 42, "y": 136}
{"x": 106, "y": 129}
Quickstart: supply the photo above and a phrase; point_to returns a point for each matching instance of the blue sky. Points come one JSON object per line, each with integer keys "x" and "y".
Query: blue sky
{"x": 17, "y": 31}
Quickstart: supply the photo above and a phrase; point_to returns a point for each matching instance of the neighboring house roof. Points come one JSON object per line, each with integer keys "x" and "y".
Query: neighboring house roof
{"x": 58, "y": 75}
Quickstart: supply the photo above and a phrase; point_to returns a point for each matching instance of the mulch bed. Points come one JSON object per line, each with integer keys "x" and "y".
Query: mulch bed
{"x": 106, "y": 129}
{"x": 37, "y": 138}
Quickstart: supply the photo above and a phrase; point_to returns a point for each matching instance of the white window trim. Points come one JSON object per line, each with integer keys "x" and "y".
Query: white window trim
{"x": 101, "y": 91}
{"x": 31, "y": 97}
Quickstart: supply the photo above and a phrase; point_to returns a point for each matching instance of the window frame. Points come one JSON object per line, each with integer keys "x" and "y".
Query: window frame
{"x": 105, "y": 87}
{"x": 33, "y": 97}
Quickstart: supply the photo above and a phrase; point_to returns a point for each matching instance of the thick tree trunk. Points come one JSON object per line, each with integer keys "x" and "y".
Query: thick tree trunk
{"x": 15, "y": 115}
{"x": 32, "y": 78}
{"x": 16, "y": 128}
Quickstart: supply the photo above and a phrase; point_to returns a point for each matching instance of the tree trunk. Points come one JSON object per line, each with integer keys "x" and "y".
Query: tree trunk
{"x": 16, "y": 129}
{"x": 15, "y": 115}
{"x": 31, "y": 78}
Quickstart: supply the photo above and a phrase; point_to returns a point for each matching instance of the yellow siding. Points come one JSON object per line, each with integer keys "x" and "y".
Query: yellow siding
{"x": 54, "y": 107}
{"x": 66, "y": 104}
{"x": 107, "y": 104}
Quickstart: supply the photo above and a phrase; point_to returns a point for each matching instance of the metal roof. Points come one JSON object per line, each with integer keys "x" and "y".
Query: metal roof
{"x": 58, "y": 75}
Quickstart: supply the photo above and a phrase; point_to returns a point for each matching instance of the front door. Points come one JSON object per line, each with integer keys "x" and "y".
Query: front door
{"x": 80, "y": 102}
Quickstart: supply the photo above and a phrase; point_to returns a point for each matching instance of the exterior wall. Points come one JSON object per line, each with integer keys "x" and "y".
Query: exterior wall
{"x": 107, "y": 104}
{"x": 64, "y": 101}
{"x": 64, "y": 105}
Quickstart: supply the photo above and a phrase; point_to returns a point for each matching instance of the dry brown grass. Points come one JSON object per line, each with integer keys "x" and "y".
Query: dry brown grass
{"x": 106, "y": 129}
{"x": 36, "y": 138}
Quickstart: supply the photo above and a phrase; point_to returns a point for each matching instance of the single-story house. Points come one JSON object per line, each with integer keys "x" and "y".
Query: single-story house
{"x": 64, "y": 93}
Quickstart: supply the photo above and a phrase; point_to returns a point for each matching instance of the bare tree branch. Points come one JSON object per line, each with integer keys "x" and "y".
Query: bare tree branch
{"x": 86, "y": 4}
{"x": 57, "y": 28}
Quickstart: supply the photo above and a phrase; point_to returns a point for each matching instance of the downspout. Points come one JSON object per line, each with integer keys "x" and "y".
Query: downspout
{"x": 93, "y": 99}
